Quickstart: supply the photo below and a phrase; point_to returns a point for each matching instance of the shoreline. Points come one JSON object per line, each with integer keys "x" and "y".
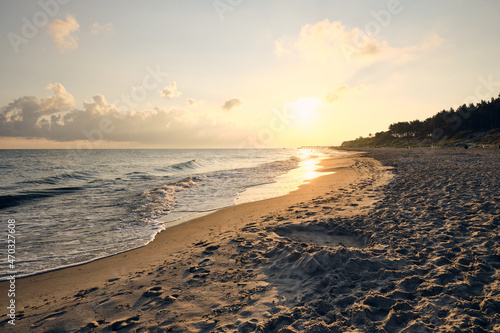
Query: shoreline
{"x": 170, "y": 224}
{"x": 65, "y": 282}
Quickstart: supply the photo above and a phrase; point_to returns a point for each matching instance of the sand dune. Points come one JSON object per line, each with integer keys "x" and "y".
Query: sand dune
{"x": 396, "y": 241}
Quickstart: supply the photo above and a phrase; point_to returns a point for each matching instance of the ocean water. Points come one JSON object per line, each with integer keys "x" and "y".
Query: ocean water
{"x": 74, "y": 207}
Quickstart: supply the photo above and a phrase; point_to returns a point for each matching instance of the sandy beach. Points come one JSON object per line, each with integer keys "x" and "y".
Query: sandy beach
{"x": 394, "y": 240}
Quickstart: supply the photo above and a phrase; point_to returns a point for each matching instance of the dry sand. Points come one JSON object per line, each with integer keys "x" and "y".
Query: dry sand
{"x": 355, "y": 251}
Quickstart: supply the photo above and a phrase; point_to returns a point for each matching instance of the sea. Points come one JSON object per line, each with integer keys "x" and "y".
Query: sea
{"x": 72, "y": 207}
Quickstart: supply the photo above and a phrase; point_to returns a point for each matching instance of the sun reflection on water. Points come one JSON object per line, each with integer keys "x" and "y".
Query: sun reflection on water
{"x": 308, "y": 169}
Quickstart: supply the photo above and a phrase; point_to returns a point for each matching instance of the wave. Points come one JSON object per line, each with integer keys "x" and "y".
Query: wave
{"x": 189, "y": 165}
{"x": 8, "y": 201}
{"x": 139, "y": 175}
{"x": 54, "y": 180}
{"x": 282, "y": 165}
{"x": 160, "y": 200}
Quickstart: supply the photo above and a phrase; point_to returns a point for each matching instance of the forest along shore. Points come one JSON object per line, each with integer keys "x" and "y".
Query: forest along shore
{"x": 395, "y": 240}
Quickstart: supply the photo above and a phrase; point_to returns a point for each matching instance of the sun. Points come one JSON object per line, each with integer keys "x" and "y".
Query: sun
{"x": 304, "y": 109}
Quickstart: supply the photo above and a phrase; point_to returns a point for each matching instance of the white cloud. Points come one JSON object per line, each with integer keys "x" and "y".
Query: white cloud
{"x": 231, "y": 104}
{"x": 62, "y": 33}
{"x": 325, "y": 40}
{"x": 170, "y": 91}
{"x": 60, "y": 101}
{"x": 56, "y": 118}
{"x": 97, "y": 28}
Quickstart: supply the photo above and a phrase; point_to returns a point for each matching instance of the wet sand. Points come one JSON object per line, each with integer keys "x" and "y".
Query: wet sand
{"x": 394, "y": 241}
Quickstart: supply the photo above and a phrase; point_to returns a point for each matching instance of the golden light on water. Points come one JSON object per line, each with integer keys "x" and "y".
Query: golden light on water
{"x": 308, "y": 169}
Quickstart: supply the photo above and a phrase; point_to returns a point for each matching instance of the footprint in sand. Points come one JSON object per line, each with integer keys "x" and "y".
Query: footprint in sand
{"x": 83, "y": 293}
{"x": 153, "y": 299}
{"x": 209, "y": 250}
{"x": 206, "y": 262}
{"x": 49, "y": 317}
{"x": 152, "y": 292}
{"x": 311, "y": 234}
{"x": 124, "y": 323}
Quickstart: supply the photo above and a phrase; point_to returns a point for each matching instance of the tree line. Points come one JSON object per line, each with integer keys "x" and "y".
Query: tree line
{"x": 474, "y": 123}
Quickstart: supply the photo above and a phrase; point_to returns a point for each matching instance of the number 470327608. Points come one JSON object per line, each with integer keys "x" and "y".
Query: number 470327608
{"x": 11, "y": 246}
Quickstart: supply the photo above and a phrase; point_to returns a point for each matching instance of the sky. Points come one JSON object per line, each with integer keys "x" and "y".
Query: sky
{"x": 236, "y": 73}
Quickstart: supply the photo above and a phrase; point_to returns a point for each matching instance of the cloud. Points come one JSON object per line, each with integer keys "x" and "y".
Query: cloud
{"x": 336, "y": 94}
{"x": 325, "y": 40}
{"x": 193, "y": 102}
{"x": 56, "y": 118}
{"x": 280, "y": 49}
{"x": 231, "y": 104}
{"x": 408, "y": 53}
{"x": 61, "y": 32}
{"x": 170, "y": 91}
{"x": 61, "y": 99}
{"x": 29, "y": 112}
{"x": 97, "y": 28}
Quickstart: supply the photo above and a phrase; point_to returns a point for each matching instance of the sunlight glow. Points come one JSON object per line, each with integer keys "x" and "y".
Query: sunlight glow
{"x": 305, "y": 109}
